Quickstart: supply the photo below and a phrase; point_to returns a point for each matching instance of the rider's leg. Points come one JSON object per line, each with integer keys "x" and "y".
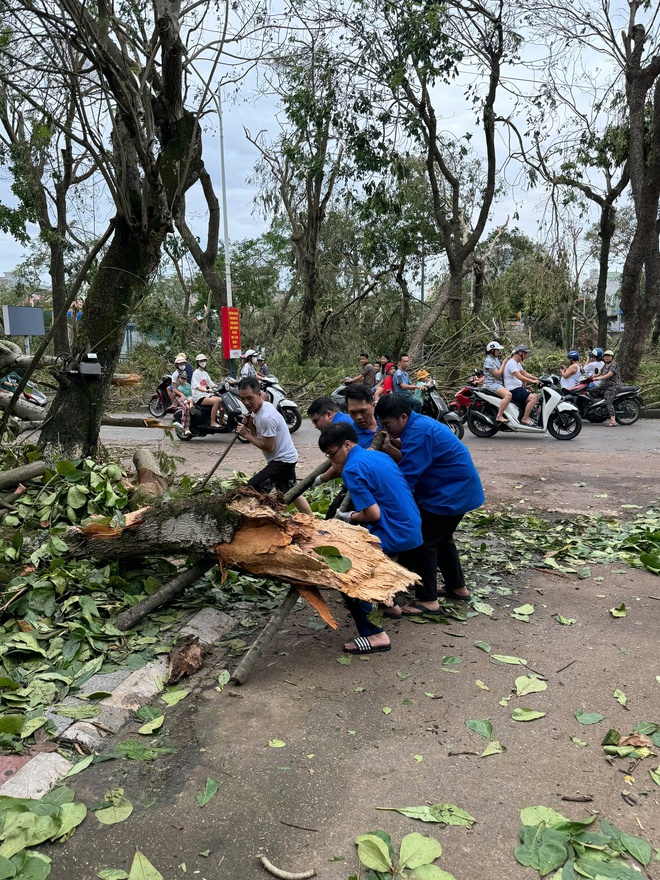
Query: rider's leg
{"x": 215, "y": 406}
{"x": 506, "y": 400}
{"x": 531, "y": 403}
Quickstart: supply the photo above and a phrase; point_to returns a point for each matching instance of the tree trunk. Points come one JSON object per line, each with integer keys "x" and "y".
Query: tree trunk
{"x": 400, "y": 340}
{"x": 606, "y": 231}
{"x": 308, "y": 331}
{"x": 122, "y": 279}
{"x": 438, "y": 307}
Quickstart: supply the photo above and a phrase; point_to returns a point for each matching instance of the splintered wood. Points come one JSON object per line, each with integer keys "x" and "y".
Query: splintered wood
{"x": 282, "y": 547}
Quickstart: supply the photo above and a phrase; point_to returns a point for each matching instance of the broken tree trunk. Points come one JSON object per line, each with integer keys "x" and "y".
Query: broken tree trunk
{"x": 265, "y": 637}
{"x": 23, "y": 409}
{"x": 129, "y": 618}
{"x": 249, "y": 531}
{"x": 20, "y": 474}
{"x": 151, "y": 482}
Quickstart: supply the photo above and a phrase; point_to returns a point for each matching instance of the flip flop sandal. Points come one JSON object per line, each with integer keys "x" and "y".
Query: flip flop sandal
{"x": 453, "y": 597}
{"x": 364, "y": 646}
{"x": 422, "y": 610}
{"x": 387, "y": 613}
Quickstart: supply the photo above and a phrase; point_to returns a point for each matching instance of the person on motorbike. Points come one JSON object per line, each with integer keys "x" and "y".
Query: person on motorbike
{"x": 181, "y": 367}
{"x": 262, "y": 366}
{"x": 183, "y": 397}
{"x": 249, "y": 367}
{"x": 422, "y": 381}
{"x": 594, "y": 366}
{"x": 610, "y": 385}
{"x": 367, "y": 376}
{"x": 492, "y": 377}
{"x": 386, "y": 385}
{"x": 515, "y": 379}
{"x": 570, "y": 375}
{"x": 402, "y": 386}
{"x": 202, "y": 385}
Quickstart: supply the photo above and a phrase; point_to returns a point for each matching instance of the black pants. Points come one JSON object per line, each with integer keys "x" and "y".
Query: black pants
{"x": 281, "y": 474}
{"x": 437, "y": 552}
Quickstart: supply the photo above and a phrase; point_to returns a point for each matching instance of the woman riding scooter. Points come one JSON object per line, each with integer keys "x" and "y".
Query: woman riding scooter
{"x": 493, "y": 373}
{"x": 201, "y": 387}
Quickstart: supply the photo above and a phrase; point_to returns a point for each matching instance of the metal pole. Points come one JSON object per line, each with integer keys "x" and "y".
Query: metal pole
{"x": 224, "y": 200}
{"x": 574, "y": 319}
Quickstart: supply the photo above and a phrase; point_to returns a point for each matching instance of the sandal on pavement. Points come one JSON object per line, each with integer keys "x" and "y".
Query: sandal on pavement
{"x": 453, "y": 597}
{"x": 364, "y": 646}
{"x": 422, "y": 609}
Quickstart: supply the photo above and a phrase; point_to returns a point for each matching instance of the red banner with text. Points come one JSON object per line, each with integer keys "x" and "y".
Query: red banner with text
{"x": 231, "y": 333}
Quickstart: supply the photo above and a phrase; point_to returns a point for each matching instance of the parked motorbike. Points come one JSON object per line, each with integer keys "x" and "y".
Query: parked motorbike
{"x": 434, "y": 406}
{"x": 287, "y": 408}
{"x": 30, "y": 393}
{"x": 627, "y": 404}
{"x": 159, "y": 403}
{"x": 229, "y": 415}
{"x": 463, "y": 399}
{"x": 339, "y": 397}
{"x": 556, "y": 415}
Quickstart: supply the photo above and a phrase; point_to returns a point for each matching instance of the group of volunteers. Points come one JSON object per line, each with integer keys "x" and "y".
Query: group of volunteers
{"x": 509, "y": 380}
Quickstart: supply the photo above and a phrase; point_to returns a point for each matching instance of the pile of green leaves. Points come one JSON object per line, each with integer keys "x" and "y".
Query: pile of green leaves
{"x": 71, "y": 492}
{"x": 550, "y": 841}
{"x": 26, "y": 823}
{"x": 414, "y": 862}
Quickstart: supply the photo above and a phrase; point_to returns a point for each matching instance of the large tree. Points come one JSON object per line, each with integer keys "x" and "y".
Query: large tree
{"x": 131, "y": 116}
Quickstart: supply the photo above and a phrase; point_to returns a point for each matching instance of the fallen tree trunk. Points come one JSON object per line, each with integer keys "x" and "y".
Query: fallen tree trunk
{"x": 249, "y": 531}
{"x": 151, "y": 483}
{"x": 133, "y": 422}
{"x": 23, "y": 409}
{"x": 20, "y": 474}
{"x": 167, "y": 592}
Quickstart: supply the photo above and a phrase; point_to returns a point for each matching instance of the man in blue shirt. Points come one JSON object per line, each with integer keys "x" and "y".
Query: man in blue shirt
{"x": 323, "y": 411}
{"x": 384, "y": 504}
{"x": 446, "y": 485}
{"x": 361, "y": 404}
{"x": 402, "y": 386}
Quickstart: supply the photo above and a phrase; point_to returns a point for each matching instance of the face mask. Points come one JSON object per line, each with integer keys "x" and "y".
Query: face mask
{"x": 201, "y": 364}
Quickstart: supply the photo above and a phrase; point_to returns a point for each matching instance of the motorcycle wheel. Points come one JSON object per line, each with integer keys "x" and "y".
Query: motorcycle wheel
{"x": 156, "y": 406}
{"x": 456, "y": 427}
{"x": 564, "y": 425}
{"x": 292, "y": 418}
{"x": 627, "y": 411}
{"x": 181, "y": 434}
{"x": 478, "y": 428}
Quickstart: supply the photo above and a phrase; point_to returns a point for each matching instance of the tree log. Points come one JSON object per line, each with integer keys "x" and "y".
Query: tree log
{"x": 167, "y": 592}
{"x": 20, "y": 474}
{"x": 306, "y": 482}
{"x": 250, "y": 531}
{"x": 265, "y": 637}
{"x": 23, "y": 409}
{"x": 133, "y": 422}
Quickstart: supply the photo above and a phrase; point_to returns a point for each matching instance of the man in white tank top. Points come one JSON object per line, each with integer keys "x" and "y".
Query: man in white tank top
{"x": 570, "y": 375}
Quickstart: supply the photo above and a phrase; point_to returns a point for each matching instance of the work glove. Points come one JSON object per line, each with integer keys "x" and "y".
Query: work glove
{"x": 344, "y": 515}
{"x": 317, "y": 482}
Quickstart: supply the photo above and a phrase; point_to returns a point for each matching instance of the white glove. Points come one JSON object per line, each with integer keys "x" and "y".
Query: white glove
{"x": 317, "y": 482}
{"x": 344, "y": 515}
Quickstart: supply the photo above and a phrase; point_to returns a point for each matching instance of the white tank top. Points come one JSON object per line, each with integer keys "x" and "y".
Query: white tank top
{"x": 572, "y": 381}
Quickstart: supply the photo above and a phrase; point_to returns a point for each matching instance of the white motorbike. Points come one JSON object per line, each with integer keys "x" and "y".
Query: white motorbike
{"x": 553, "y": 414}
{"x": 287, "y": 408}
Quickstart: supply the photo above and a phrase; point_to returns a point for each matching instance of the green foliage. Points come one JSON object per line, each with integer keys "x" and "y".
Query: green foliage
{"x": 415, "y": 860}
{"x": 549, "y": 841}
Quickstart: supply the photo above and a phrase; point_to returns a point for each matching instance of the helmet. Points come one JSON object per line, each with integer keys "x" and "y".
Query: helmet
{"x": 422, "y": 374}
{"x": 179, "y": 360}
{"x": 180, "y": 357}
{"x": 261, "y": 357}
{"x": 521, "y": 349}
{"x": 200, "y": 357}
{"x": 493, "y": 346}
{"x": 597, "y": 353}
{"x": 573, "y": 355}
{"x": 249, "y": 353}
{"x": 609, "y": 351}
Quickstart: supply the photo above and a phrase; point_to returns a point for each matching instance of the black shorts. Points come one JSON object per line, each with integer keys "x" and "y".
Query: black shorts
{"x": 520, "y": 395}
{"x": 281, "y": 474}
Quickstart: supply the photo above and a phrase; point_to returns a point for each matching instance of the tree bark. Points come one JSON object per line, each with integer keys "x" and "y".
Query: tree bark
{"x": 606, "y": 231}
{"x": 22, "y": 474}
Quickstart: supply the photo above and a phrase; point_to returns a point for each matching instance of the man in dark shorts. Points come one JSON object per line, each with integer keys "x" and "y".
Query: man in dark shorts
{"x": 516, "y": 377}
{"x": 266, "y": 429}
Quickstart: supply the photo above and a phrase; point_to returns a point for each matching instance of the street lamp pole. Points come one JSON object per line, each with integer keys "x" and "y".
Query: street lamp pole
{"x": 574, "y": 319}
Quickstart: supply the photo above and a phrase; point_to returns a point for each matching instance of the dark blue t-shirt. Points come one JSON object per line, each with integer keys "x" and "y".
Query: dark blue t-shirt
{"x": 365, "y": 436}
{"x": 438, "y": 468}
{"x": 374, "y": 478}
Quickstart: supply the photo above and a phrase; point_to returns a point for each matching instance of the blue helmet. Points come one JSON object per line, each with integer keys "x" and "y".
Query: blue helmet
{"x": 597, "y": 353}
{"x": 573, "y": 355}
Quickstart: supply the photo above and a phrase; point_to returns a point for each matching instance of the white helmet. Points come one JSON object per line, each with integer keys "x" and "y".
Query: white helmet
{"x": 200, "y": 357}
{"x": 249, "y": 353}
{"x": 493, "y": 346}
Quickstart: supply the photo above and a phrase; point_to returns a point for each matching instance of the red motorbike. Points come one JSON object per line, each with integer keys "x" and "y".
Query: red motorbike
{"x": 463, "y": 399}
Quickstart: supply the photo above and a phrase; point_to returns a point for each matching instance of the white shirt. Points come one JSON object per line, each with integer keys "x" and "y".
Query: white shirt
{"x": 510, "y": 381}
{"x": 248, "y": 370}
{"x": 591, "y": 368}
{"x": 199, "y": 390}
{"x": 571, "y": 381}
{"x": 269, "y": 423}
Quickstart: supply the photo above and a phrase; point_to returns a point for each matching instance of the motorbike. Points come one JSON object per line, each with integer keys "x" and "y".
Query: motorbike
{"x": 463, "y": 399}
{"x": 229, "y": 416}
{"x": 339, "y": 397}
{"x": 627, "y": 404}
{"x": 554, "y": 414}
{"x": 287, "y": 408}
{"x": 159, "y": 403}
{"x": 434, "y": 406}
{"x": 30, "y": 393}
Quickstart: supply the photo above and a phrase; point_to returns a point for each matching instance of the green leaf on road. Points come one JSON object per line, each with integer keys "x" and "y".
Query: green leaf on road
{"x": 639, "y": 849}
{"x": 223, "y": 678}
{"x": 481, "y": 685}
{"x": 345, "y": 660}
{"x": 444, "y": 814}
{"x": 386, "y": 710}
{"x": 152, "y": 726}
{"x": 493, "y": 748}
{"x": 584, "y": 717}
{"x": 655, "y": 775}
{"x": 578, "y": 741}
{"x": 565, "y": 621}
{"x": 620, "y": 697}
{"x": 112, "y": 874}
{"x": 276, "y": 743}
{"x": 119, "y": 809}
{"x": 210, "y": 790}
{"x": 526, "y": 715}
{"x": 621, "y": 611}
{"x": 511, "y": 661}
{"x": 537, "y": 815}
{"x": 373, "y": 853}
{"x": 81, "y": 765}
{"x": 529, "y": 684}
{"x": 483, "y": 608}
{"x": 78, "y": 713}
{"x": 482, "y": 727}
{"x": 524, "y": 609}
{"x": 174, "y": 695}
{"x": 417, "y": 850}
{"x": 483, "y": 646}
{"x": 142, "y": 869}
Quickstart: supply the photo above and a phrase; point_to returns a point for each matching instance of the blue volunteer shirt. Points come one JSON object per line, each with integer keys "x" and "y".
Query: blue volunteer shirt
{"x": 340, "y": 416}
{"x": 374, "y": 478}
{"x": 438, "y": 468}
{"x": 365, "y": 436}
